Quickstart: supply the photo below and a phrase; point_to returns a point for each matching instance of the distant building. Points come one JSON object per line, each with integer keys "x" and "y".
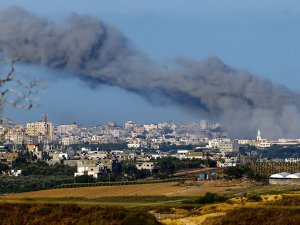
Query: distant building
{"x": 136, "y": 143}
{"x": 207, "y": 176}
{"x": 69, "y": 128}
{"x": 285, "y": 178}
{"x": 90, "y": 168}
{"x": 258, "y": 136}
{"x": 245, "y": 142}
{"x": 146, "y": 166}
{"x": 181, "y": 154}
{"x": 260, "y": 142}
{"x": 129, "y": 125}
{"x": 40, "y": 129}
{"x": 8, "y": 157}
{"x": 292, "y": 160}
{"x": 224, "y": 145}
{"x": 205, "y": 125}
{"x": 15, "y": 135}
{"x": 150, "y": 127}
{"x": 32, "y": 147}
{"x": 70, "y": 140}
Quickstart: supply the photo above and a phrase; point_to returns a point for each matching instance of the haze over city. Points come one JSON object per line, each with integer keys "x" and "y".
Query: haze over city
{"x": 260, "y": 38}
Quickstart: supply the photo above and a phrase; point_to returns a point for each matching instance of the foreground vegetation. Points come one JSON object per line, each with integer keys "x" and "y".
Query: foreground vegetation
{"x": 48, "y": 214}
{"x": 282, "y": 209}
{"x": 261, "y": 216}
{"x": 11, "y": 184}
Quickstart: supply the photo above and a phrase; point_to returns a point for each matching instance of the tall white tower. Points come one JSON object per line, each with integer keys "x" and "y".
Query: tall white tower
{"x": 258, "y": 136}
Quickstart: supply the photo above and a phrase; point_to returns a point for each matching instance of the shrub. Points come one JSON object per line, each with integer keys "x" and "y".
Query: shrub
{"x": 261, "y": 216}
{"x": 287, "y": 201}
{"x": 50, "y": 214}
{"x": 84, "y": 179}
{"x": 139, "y": 218}
{"x": 210, "y": 198}
{"x": 254, "y": 198}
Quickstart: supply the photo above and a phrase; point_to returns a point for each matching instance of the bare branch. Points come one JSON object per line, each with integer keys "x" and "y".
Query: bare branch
{"x": 14, "y": 91}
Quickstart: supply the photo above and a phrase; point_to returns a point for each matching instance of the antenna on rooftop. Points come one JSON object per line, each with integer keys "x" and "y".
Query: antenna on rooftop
{"x": 45, "y": 121}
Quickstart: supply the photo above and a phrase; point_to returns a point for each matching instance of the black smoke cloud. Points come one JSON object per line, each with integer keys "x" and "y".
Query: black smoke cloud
{"x": 97, "y": 51}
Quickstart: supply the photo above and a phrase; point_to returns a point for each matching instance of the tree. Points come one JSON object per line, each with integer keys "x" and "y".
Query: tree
{"x": 22, "y": 159}
{"x": 166, "y": 165}
{"x": 210, "y": 198}
{"x": 84, "y": 179}
{"x": 15, "y": 90}
{"x": 129, "y": 168}
{"x": 3, "y": 167}
{"x": 234, "y": 171}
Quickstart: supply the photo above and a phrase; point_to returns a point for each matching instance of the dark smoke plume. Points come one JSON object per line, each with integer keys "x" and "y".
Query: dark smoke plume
{"x": 94, "y": 50}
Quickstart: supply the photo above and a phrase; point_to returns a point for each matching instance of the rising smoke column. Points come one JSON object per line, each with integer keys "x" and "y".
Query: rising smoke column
{"x": 94, "y": 50}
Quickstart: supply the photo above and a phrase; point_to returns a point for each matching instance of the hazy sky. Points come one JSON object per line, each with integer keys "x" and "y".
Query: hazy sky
{"x": 262, "y": 37}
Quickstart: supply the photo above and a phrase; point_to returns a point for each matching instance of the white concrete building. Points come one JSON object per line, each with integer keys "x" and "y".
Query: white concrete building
{"x": 245, "y": 141}
{"x": 181, "y": 154}
{"x": 263, "y": 144}
{"x": 224, "y": 145}
{"x": 69, "y": 128}
{"x": 260, "y": 142}
{"x": 146, "y": 166}
{"x": 70, "y": 140}
{"x": 129, "y": 125}
{"x": 63, "y": 155}
{"x": 150, "y": 127}
{"x": 96, "y": 155}
{"x": 89, "y": 168}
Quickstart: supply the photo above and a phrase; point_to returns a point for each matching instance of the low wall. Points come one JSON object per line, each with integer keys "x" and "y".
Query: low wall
{"x": 285, "y": 181}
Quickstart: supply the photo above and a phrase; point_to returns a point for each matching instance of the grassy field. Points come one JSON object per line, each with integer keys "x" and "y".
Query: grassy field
{"x": 160, "y": 195}
{"x": 145, "y": 202}
{"x": 189, "y": 188}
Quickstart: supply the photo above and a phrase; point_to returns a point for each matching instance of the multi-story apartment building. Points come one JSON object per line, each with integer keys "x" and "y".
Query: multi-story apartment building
{"x": 6, "y": 156}
{"x": 40, "y": 129}
{"x": 150, "y": 127}
{"x": 69, "y": 128}
{"x": 70, "y": 140}
{"x": 224, "y": 145}
{"x": 129, "y": 125}
{"x": 139, "y": 129}
{"x": 15, "y": 135}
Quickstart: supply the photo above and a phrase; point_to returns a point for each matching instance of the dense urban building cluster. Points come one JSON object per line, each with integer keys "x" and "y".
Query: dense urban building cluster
{"x": 148, "y": 136}
{"x": 101, "y": 148}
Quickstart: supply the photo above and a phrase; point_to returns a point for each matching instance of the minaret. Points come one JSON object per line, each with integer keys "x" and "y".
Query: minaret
{"x": 258, "y": 136}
